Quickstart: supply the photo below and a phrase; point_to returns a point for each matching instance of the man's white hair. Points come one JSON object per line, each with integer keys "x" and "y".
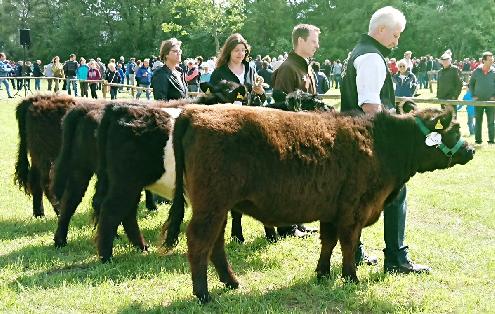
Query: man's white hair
{"x": 387, "y": 16}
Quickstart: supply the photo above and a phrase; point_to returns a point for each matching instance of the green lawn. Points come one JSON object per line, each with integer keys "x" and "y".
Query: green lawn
{"x": 451, "y": 227}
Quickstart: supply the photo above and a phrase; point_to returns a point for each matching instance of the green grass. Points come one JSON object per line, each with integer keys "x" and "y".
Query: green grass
{"x": 451, "y": 227}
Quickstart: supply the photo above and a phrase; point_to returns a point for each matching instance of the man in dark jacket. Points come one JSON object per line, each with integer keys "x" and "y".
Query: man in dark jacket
{"x": 266, "y": 74}
{"x": 322, "y": 85}
{"x": 367, "y": 87}
{"x": 482, "y": 87}
{"x": 296, "y": 73}
{"x": 70, "y": 69}
{"x": 449, "y": 83}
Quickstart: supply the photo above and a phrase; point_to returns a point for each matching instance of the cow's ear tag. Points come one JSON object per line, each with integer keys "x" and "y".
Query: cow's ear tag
{"x": 239, "y": 96}
{"x": 208, "y": 91}
{"x": 439, "y": 125}
{"x": 433, "y": 139}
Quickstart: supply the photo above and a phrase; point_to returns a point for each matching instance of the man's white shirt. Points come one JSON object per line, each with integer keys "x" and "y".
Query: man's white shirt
{"x": 370, "y": 77}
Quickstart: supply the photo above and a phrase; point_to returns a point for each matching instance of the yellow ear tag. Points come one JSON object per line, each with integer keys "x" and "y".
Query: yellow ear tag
{"x": 207, "y": 91}
{"x": 438, "y": 126}
{"x": 239, "y": 96}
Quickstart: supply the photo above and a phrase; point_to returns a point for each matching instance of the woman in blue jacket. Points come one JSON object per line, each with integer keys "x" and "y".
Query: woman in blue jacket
{"x": 405, "y": 82}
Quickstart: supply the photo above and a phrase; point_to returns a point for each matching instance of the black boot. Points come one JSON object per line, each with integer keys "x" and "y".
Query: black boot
{"x": 362, "y": 258}
{"x": 396, "y": 253}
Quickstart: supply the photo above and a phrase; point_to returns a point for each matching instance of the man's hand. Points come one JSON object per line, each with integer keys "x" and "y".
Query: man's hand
{"x": 371, "y": 108}
{"x": 258, "y": 90}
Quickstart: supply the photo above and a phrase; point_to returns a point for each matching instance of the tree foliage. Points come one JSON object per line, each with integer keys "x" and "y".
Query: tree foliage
{"x": 112, "y": 28}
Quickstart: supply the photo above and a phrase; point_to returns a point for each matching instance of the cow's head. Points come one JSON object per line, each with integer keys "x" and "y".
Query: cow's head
{"x": 441, "y": 142}
{"x": 298, "y": 101}
{"x": 223, "y": 92}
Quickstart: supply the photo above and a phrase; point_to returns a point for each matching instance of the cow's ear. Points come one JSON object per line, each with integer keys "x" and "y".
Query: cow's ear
{"x": 205, "y": 87}
{"x": 240, "y": 90}
{"x": 446, "y": 117}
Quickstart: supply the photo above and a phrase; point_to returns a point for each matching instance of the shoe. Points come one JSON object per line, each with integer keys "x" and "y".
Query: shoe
{"x": 291, "y": 231}
{"x": 400, "y": 263}
{"x": 11, "y": 96}
{"x": 367, "y": 260}
{"x": 491, "y": 142}
{"x": 306, "y": 229}
{"x": 478, "y": 142}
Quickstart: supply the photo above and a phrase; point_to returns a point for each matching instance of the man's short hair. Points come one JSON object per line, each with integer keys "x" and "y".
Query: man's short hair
{"x": 302, "y": 31}
{"x": 387, "y": 16}
{"x": 72, "y": 55}
{"x": 486, "y": 54}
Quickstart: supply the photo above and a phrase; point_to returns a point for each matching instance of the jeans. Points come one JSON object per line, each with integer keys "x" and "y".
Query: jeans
{"x": 140, "y": 91}
{"x": 37, "y": 84}
{"x": 84, "y": 89}
{"x": 69, "y": 83}
{"x": 423, "y": 80}
{"x": 93, "y": 87}
{"x": 7, "y": 86}
{"x": 113, "y": 92}
{"x": 490, "y": 115}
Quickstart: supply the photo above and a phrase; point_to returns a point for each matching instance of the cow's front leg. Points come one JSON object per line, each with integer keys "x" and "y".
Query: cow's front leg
{"x": 349, "y": 236}
{"x": 328, "y": 237}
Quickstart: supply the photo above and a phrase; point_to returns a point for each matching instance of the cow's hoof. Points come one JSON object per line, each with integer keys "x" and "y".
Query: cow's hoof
{"x": 39, "y": 215}
{"x": 232, "y": 285}
{"x": 272, "y": 238}
{"x": 152, "y": 208}
{"x": 238, "y": 239}
{"x": 105, "y": 259}
{"x": 60, "y": 243}
{"x": 204, "y": 298}
{"x": 351, "y": 279}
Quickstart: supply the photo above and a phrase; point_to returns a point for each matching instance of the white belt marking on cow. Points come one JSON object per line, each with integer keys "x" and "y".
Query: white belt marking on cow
{"x": 166, "y": 184}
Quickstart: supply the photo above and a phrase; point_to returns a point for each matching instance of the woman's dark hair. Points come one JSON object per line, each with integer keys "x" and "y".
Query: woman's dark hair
{"x": 229, "y": 45}
{"x": 166, "y": 46}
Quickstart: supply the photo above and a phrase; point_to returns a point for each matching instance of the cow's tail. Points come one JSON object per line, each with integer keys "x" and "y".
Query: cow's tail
{"x": 62, "y": 167}
{"x": 22, "y": 166}
{"x": 171, "y": 227}
{"x": 101, "y": 172}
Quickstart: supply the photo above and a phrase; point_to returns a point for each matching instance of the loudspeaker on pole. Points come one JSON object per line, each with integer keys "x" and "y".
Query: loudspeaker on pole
{"x": 25, "y": 39}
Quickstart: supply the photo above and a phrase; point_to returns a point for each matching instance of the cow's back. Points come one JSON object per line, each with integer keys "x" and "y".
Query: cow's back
{"x": 275, "y": 160}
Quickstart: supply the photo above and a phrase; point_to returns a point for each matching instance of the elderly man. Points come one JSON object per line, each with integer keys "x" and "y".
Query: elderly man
{"x": 449, "y": 83}
{"x": 367, "y": 87}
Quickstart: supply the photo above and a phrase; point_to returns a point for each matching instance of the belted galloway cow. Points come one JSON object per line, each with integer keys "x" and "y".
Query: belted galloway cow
{"x": 286, "y": 168}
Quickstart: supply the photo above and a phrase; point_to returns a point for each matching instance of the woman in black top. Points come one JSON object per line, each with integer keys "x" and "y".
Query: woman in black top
{"x": 168, "y": 82}
{"x": 232, "y": 64}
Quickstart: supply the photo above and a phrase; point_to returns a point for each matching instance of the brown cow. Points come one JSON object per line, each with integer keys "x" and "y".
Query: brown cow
{"x": 79, "y": 154}
{"x": 39, "y": 121}
{"x": 287, "y": 168}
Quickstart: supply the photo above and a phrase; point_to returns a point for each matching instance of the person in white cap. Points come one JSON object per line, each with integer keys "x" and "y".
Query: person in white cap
{"x": 449, "y": 83}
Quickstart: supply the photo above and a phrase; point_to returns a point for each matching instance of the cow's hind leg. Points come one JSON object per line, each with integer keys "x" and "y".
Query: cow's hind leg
{"x": 150, "y": 201}
{"x": 202, "y": 234}
{"x": 236, "y": 232}
{"x": 36, "y": 191}
{"x": 328, "y": 237}
{"x": 349, "y": 237}
{"x": 73, "y": 194}
{"x": 131, "y": 228}
{"x": 45, "y": 181}
{"x": 117, "y": 204}
{"x": 219, "y": 260}
{"x": 271, "y": 234}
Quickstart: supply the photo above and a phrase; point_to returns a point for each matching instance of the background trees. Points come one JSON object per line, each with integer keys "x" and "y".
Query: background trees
{"x": 112, "y": 28}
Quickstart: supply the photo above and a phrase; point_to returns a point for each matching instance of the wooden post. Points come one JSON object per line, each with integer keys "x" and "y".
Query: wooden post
{"x": 104, "y": 87}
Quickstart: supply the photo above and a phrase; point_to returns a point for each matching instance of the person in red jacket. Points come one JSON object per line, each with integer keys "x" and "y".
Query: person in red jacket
{"x": 93, "y": 75}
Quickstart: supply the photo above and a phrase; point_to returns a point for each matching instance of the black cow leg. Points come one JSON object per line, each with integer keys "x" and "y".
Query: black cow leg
{"x": 349, "y": 237}
{"x": 45, "y": 179}
{"x": 236, "y": 232}
{"x": 271, "y": 234}
{"x": 73, "y": 194}
{"x": 119, "y": 202}
{"x": 36, "y": 191}
{"x": 131, "y": 228}
{"x": 328, "y": 236}
{"x": 219, "y": 260}
{"x": 150, "y": 202}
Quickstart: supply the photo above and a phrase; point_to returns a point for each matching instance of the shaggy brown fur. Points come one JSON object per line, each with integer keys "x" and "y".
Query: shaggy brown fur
{"x": 285, "y": 168}
{"x": 39, "y": 121}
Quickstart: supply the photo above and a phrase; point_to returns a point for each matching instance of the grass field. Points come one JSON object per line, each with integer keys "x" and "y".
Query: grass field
{"x": 451, "y": 227}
